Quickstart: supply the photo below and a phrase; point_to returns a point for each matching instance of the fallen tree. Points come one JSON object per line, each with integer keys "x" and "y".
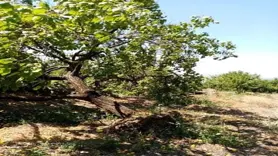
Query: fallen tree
{"x": 119, "y": 45}
{"x": 39, "y": 98}
{"x": 96, "y": 98}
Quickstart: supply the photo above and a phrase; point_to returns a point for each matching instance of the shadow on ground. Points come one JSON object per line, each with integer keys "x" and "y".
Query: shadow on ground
{"x": 250, "y": 134}
{"x": 56, "y": 112}
{"x": 191, "y": 130}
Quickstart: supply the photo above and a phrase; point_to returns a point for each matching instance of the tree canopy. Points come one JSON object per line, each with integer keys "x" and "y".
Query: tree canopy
{"x": 121, "y": 45}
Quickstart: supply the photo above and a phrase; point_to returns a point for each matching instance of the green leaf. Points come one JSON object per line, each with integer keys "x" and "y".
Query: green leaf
{"x": 6, "y": 61}
{"x": 6, "y": 5}
{"x": 37, "y": 87}
{"x": 24, "y": 10}
{"x": 5, "y": 71}
{"x": 44, "y": 5}
{"x": 109, "y": 18}
{"x": 129, "y": 44}
{"x": 39, "y": 11}
{"x": 96, "y": 20}
{"x": 102, "y": 37}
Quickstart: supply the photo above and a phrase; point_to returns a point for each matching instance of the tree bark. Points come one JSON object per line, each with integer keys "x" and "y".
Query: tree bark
{"x": 95, "y": 98}
{"x": 40, "y": 98}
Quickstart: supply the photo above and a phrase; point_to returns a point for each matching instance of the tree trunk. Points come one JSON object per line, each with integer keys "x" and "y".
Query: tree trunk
{"x": 39, "y": 98}
{"x": 100, "y": 101}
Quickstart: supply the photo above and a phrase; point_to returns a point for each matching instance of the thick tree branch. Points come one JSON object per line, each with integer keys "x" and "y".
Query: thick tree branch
{"x": 91, "y": 53}
{"x": 41, "y": 98}
{"x": 133, "y": 80}
{"x": 32, "y": 48}
{"x": 44, "y": 49}
{"x": 76, "y": 55}
{"x": 49, "y": 70}
{"x": 46, "y": 77}
{"x": 58, "y": 52}
{"x": 88, "y": 56}
{"x": 113, "y": 30}
{"x": 49, "y": 78}
{"x": 100, "y": 101}
{"x": 77, "y": 69}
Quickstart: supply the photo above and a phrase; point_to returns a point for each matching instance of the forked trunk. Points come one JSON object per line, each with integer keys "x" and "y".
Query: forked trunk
{"x": 100, "y": 101}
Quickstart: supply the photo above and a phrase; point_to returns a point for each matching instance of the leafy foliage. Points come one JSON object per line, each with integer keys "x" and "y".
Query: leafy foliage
{"x": 241, "y": 82}
{"x": 29, "y": 2}
{"x": 124, "y": 46}
{"x": 15, "y": 74}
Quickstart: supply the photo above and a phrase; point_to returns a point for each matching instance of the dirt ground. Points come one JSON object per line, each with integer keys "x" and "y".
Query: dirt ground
{"x": 219, "y": 123}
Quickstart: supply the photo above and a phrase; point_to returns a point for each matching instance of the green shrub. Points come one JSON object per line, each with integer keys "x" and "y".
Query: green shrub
{"x": 241, "y": 82}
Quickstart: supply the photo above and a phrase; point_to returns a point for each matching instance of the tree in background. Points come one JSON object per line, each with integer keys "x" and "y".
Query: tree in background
{"x": 240, "y": 81}
{"x": 116, "y": 44}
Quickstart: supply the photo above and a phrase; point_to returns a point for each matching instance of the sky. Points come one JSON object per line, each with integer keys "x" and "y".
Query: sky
{"x": 250, "y": 24}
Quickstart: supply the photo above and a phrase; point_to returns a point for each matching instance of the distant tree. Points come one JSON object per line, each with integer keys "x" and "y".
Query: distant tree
{"x": 115, "y": 42}
{"x": 240, "y": 81}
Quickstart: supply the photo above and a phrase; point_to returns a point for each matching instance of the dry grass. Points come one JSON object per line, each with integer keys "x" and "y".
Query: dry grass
{"x": 265, "y": 105}
{"x": 37, "y": 131}
{"x": 231, "y": 124}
